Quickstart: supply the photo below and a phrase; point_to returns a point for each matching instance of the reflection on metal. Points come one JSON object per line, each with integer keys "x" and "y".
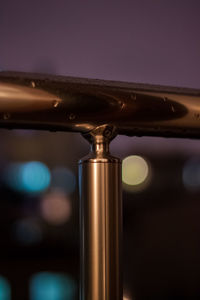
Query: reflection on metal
{"x": 100, "y": 193}
{"x": 99, "y": 110}
{"x": 65, "y": 103}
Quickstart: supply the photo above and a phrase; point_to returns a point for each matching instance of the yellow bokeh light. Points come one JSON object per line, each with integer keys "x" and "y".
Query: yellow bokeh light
{"x": 126, "y": 297}
{"x": 135, "y": 170}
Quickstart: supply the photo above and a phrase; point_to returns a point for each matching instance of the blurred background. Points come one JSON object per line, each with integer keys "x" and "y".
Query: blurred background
{"x": 147, "y": 41}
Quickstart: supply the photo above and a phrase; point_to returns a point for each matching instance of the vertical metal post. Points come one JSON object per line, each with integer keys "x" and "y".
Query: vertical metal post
{"x": 101, "y": 221}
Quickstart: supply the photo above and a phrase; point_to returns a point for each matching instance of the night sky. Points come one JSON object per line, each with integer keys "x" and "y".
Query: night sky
{"x": 150, "y": 41}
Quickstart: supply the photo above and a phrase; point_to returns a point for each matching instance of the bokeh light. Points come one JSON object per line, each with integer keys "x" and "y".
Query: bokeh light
{"x": 125, "y": 297}
{"x": 191, "y": 174}
{"x": 13, "y": 176}
{"x": 64, "y": 179}
{"x": 52, "y": 286}
{"x": 27, "y": 231}
{"x": 135, "y": 171}
{"x": 35, "y": 176}
{"x": 5, "y": 289}
{"x": 30, "y": 177}
{"x": 55, "y": 207}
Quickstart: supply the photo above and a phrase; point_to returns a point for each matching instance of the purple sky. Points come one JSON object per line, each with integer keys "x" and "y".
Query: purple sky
{"x": 151, "y": 41}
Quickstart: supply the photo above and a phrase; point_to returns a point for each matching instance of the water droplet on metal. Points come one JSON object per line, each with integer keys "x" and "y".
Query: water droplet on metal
{"x": 55, "y": 103}
{"x": 72, "y": 116}
{"x": 33, "y": 84}
{"x": 197, "y": 116}
{"x": 173, "y": 109}
{"x": 133, "y": 97}
{"x": 6, "y": 116}
{"x": 121, "y": 104}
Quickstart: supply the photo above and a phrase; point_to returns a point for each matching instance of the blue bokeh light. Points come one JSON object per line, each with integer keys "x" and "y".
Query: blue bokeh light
{"x": 5, "y": 290}
{"x": 27, "y": 231}
{"x": 64, "y": 179}
{"x": 52, "y": 286}
{"x": 191, "y": 174}
{"x": 31, "y": 177}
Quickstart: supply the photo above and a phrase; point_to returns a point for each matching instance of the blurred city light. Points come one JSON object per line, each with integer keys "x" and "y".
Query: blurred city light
{"x": 35, "y": 176}
{"x": 52, "y": 286}
{"x": 13, "y": 176}
{"x": 191, "y": 174}
{"x": 135, "y": 171}
{"x": 126, "y": 295}
{"x": 126, "y": 298}
{"x": 5, "y": 290}
{"x": 31, "y": 177}
{"x": 55, "y": 207}
{"x": 64, "y": 179}
{"x": 27, "y": 231}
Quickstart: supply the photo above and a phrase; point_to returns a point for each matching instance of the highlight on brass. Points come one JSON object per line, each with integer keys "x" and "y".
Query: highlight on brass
{"x": 80, "y": 105}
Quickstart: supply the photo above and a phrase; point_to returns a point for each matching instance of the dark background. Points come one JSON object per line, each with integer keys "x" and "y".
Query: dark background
{"x": 139, "y": 41}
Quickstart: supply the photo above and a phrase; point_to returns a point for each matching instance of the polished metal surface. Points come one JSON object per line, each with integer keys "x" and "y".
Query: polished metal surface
{"x": 73, "y": 104}
{"x": 99, "y": 110}
{"x": 101, "y": 228}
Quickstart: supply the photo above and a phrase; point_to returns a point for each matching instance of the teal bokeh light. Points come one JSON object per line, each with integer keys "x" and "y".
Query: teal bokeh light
{"x": 35, "y": 176}
{"x": 31, "y": 177}
{"x": 52, "y": 286}
{"x": 5, "y": 290}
